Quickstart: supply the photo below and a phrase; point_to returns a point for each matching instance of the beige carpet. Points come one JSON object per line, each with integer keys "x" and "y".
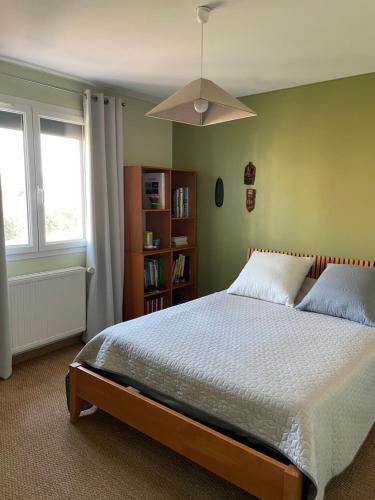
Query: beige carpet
{"x": 42, "y": 456}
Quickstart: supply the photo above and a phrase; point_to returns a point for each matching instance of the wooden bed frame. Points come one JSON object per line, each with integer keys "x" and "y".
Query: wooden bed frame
{"x": 254, "y": 472}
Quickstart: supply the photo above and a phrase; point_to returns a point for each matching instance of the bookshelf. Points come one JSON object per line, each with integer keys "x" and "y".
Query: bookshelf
{"x": 163, "y": 223}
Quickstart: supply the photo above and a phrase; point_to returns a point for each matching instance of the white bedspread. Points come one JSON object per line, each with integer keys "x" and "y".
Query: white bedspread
{"x": 300, "y": 381}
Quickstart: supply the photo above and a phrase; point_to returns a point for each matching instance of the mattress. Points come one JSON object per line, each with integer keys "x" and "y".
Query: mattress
{"x": 297, "y": 381}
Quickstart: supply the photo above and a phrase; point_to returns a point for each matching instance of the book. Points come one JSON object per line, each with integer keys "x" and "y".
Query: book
{"x": 153, "y": 305}
{"x": 153, "y": 190}
{"x": 153, "y": 274}
{"x": 179, "y": 244}
{"x": 185, "y": 202}
{"x": 181, "y": 268}
{"x": 181, "y": 202}
{"x": 179, "y": 240}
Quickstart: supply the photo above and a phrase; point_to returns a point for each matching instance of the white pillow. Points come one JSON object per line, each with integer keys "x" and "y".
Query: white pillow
{"x": 274, "y": 277}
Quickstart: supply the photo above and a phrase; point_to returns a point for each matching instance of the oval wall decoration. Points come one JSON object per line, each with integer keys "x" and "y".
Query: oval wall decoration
{"x": 219, "y": 192}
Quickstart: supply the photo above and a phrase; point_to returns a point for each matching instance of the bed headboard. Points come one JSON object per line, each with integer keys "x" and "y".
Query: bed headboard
{"x": 320, "y": 260}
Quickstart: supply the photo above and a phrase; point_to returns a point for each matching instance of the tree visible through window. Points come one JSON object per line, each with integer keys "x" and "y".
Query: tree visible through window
{"x": 62, "y": 180}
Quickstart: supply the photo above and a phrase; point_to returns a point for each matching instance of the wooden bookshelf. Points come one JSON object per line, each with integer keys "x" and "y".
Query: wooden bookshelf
{"x": 164, "y": 225}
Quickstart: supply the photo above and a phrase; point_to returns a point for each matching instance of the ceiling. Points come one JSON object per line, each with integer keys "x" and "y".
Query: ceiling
{"x": 153, "y": 46}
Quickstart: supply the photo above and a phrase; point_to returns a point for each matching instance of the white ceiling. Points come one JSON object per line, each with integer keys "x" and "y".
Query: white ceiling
{"x": 153, "y": 46}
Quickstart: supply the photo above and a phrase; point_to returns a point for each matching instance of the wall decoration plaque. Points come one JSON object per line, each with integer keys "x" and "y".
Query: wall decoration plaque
{"x": 249, "y": 175}
{"x": 250, "y": 199}
{"x": 219, "y": 192}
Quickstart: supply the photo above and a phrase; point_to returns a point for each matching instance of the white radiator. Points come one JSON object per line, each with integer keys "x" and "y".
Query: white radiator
{"x": 46, "y": 307}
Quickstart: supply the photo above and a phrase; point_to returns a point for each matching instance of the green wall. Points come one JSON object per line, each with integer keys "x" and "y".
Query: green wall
{"x": 314, "y": 149}
{"x": 146, "y": 141}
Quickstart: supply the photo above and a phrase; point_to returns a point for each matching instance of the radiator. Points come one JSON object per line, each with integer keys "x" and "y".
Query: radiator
{"x": 46, "y": 307}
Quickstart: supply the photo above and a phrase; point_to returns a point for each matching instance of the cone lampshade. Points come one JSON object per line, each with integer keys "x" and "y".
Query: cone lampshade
{"x": 180, "y": 106}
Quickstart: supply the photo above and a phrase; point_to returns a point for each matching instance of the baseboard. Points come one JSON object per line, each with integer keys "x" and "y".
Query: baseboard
{"x": 40, "y": 351}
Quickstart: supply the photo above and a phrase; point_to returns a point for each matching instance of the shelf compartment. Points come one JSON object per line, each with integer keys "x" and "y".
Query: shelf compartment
{"x": 156, "y": 292}
{"x": 182, "y": 284}
{"x": 182, "y": 248}
{"x": 189, "y": 252}
{"x": 156, "y": 251}
{"x": 145, "y": 210}
{"x": 183, "y": 294}
{"x": 184, "y": 226}
{"x": 151, "y": 298}
{"x": 184, "y": 178}
{"x": 167, "y": 185}
{"x": 158, "y": 221}
{"x": 165, "y": 282}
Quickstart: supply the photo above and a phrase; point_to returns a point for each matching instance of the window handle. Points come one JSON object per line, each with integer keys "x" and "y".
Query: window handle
{"x": 40, "y": 195}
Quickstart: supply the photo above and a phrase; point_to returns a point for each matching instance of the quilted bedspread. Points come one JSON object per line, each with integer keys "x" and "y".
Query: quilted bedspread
{"x": 301, "y": 382}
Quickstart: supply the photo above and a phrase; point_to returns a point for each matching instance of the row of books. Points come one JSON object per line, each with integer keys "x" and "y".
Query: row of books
{"x": 181, "y": 268}
{"x": 153, "y": 273}
{"x": 153, "y": 305}
{"x": 180, "y": 202}
{"x": 179, "y": 241}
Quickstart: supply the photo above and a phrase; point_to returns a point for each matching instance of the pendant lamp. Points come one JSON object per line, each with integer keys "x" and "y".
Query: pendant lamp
{"x": 201, "y": 102}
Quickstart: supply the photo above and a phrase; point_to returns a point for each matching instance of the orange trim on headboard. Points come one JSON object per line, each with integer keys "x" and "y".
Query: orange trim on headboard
{"x": 320, "y": 260}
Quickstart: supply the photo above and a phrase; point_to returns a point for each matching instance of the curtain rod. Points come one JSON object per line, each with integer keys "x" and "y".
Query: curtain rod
{"x": 56, "y": 87}
{"x": 106, "y": 100}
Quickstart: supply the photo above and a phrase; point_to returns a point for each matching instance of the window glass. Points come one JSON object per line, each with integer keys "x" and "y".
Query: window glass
{"x": 61, "y": 154}
{"x": 13, "y": 178}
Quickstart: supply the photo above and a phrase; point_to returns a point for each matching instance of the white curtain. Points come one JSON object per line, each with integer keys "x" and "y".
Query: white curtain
{"x": 5, "y": 346}
{"x": 105, "y": 211}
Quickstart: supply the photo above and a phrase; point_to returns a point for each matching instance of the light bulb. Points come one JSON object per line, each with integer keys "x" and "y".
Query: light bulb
{"x": 200, "y": 105}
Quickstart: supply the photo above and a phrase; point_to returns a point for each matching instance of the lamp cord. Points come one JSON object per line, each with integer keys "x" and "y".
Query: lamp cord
{"x": 201, "y": 50}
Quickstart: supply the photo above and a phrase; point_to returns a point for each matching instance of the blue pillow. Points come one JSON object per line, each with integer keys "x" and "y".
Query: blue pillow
{"x": 345, "y": 292}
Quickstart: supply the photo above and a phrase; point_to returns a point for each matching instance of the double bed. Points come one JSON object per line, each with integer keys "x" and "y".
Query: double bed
{"x": 273, "y": 399}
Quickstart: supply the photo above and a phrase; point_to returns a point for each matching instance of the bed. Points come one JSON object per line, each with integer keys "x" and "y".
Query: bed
{"x": 208, "y": 377}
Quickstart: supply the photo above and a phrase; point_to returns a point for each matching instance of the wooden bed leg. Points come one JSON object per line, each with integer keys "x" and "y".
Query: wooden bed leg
{"x": 292, "y": 483}
{"x": 75, "y": 402}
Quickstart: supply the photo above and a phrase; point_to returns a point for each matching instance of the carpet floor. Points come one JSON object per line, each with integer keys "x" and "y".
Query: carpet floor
{"x": 43, "y": 456}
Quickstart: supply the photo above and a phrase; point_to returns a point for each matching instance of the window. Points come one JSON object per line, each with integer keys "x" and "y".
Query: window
{"x": 13, "y": 179}
{"x": 61, "y": 166}
{"x": 42, "y": 176}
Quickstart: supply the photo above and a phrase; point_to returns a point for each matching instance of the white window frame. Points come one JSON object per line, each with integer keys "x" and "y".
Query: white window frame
{"x": 43, "y": 245}
{"x": 32, "y": 111}
{"x": 28, "y": 144}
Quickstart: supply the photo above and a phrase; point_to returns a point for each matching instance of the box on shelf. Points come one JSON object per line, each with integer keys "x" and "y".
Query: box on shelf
{"x": 153, "y": 190}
